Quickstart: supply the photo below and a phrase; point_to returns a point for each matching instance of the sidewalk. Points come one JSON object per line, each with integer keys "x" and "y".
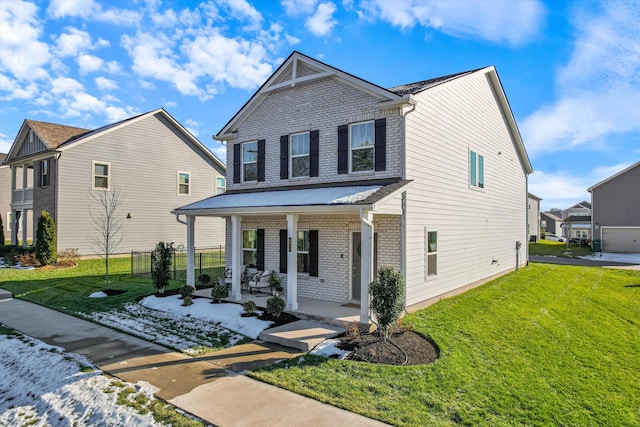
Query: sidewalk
{"x": 203, "y": 386}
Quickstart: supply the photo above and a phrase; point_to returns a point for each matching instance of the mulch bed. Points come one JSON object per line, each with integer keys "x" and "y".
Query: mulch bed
{"x": 112, "y": 292}
{"x": 414, "y": 349}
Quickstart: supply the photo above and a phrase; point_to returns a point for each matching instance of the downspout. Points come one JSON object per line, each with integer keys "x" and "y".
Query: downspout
{"x": 369, "y": 224}
{"x": 403, "y": 218}
{"x": 526, "y": 180}
{"x": 178, "y": 219}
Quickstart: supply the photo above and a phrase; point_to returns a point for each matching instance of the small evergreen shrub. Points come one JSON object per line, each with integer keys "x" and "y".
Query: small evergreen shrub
{"x": 46, "y": 240}
{"x": 186, "y": 301}
{"x": 161, "y": 258}
{"x": 249, "y": 307}
{"x": 1, "y": 231}
{"x": 218, "y": 293}
{"x": 275, "y": 306}
{"x": 387, "y": 301}
{"x": 186, "y": 291}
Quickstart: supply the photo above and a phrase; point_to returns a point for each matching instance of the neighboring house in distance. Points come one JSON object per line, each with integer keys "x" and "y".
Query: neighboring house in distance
{"x": 577, "y": 220}
{"x": 154, "y": 162}
{"x": 616, "y": 211}
{"x": 333, "y": 176}
{"x": 533, "y": 217}
{"x": 550, "y": 223}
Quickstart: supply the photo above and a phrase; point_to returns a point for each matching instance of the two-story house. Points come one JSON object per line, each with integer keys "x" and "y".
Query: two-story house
{"x": 615, "y": 207}
{"x": 153, "y": 161}
{"x": 577, "y": 221}
{"x": 533, "y": 216}
{"x": 332, "y": 177}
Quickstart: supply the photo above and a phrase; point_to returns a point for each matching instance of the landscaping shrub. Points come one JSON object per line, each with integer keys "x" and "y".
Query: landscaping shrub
{"x": 14, "y": 252}
{"x": 28, "y": 259}
{"x": 46, "y": 240}
{"x": 161, "y": 265}
{"x": 387, "y": 301}
{"x": 186, "y": 291}
{"x": 68, "y": 257}
{"x": 275, "y": 306}
{"x": 6, "y": 249}
{"x": 187, "y": 301}
{"x": 1, "y": 231}
{"x": 204, "y": 280}
{"x": 218, "y": 293}
{"x": 249, "y": 307}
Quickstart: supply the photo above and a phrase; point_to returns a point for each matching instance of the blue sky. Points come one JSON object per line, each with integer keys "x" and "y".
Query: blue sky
{"x": 571, "y": 70}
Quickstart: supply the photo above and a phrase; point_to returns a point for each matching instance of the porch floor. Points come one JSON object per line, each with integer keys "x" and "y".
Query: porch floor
{"x": 330, "y": 312}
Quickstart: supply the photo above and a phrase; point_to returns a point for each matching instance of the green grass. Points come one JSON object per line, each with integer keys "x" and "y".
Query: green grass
{"x": 547, "y": 345}
{"x": 67, "y": 290}
{"x": 548, "y": 247}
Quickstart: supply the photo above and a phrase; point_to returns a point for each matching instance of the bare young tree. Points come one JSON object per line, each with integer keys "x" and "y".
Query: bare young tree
{"x": 107, "y": 223}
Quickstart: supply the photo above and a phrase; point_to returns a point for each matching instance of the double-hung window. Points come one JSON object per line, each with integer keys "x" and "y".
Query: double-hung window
{"x": 299, "y": 155}
{"x": 476, "y": 170}
{"x": 221, "y": 184}
{"x": 362, "y": 146}
{"x": 101, "y": 178}
{"x": 432, "y": 253}
{"x": 250, "y": 161}
{"x": 303, "y": 251}
{"x": 184, "y": 183}
{"x": 250, "y": 247}
{"x": 43, "y": 180}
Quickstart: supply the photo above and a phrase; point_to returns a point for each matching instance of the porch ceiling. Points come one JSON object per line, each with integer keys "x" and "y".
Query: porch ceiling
{"x": 305, "y": 200}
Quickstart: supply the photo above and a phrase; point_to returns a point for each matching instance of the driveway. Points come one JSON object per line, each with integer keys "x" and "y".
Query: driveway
{"x": 605, "y": 261}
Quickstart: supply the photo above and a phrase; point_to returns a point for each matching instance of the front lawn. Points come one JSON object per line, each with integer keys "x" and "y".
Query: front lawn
{"x": 547, "y": 345}
{"x": 67, "y": 290}
{"x": 551, "y": 248}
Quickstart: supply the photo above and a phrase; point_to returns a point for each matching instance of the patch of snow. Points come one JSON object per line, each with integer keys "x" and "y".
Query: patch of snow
{"x": 328, "y": 348}
{"x": 611, "y": 257}
{"x": 98, "y": 294}
{"x": 41, "y": 385}
{"x": 225, "y": 314}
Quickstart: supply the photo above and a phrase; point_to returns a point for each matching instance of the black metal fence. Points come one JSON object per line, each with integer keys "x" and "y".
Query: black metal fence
{"x": 209, "y": 261}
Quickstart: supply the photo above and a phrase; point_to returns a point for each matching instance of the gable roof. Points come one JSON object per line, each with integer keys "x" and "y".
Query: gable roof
{"x": 614, "y": 176}
{"x": 551, "y": 216}
{"x": 582, "y": 204}
{"x": 2, "y": 157}
{"x": 286, "y": 76}
{"x": 533, "y": 196}
{"x": 60, "y": 137}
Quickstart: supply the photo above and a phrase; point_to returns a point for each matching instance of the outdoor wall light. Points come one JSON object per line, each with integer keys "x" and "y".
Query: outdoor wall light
{"x": 129, "y": 215}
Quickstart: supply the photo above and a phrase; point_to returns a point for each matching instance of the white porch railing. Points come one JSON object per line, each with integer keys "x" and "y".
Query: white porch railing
{"x": 22, "y": 196}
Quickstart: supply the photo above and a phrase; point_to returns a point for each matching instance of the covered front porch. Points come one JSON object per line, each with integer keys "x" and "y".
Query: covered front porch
{"x": 343, "y": 218}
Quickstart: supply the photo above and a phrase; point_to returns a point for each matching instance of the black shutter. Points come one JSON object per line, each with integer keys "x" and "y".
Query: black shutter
{"x": 284, "y": 157}
{"x": 381, "y": 144}
{"x": 313, "y": 253}
{"x": 260, "y": 249}
{"x": 261, "y": 160}
{"x": 343, "y": 149}
{"x": 283, "y": 251}
{"x": 236, "y": 163}
{"x": 314, "y": 152}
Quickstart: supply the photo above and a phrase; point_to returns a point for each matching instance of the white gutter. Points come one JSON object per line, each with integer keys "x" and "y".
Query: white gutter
{"x": 178, "y": 218}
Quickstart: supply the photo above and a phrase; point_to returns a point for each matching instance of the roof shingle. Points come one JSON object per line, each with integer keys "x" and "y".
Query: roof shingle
{"x": 54, "y": 135}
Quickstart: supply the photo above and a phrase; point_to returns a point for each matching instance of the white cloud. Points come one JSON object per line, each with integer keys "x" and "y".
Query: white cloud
{"x": 91, "y": 10}
{"x": 298, "y": 7}
{"x": 23, "y": 54}
{"x": 89, "y": 63}
{"x": 106, "y": 84}
{"x": 5, "y": 143}
{"x": 599, "y": 87}
{"x": 193, "y": 126}
{"x": 65, "y": 85}
{"x": 497, "y": 21}
{"x": 15, "y": 91}
{"x": 322, "y": 21}
{"x": 73, "y": 42}
{"x": 241, "y": 10}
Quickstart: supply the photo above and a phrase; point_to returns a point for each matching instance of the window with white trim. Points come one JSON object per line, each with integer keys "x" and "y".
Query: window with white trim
{"x": 303, "y": 251}
{"x": 476, "y": 170}
{"x": 543, "y": 223}
{"x": 299, "y": 157}
{"x": 9, "y": 222}
{"x": 221, "y": 184}
{"x": 184, "y": 183}
{"x": 361, "y": 146}
{"x": 101, "y": 175}
{"x": 43, "y": 175}
{"x": 250, "y": 247}
{"x": 249, "y": 161}
{"x": 432, "y": 253}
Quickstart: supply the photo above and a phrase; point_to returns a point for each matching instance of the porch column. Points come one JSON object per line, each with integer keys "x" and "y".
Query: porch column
{"x": 24, "y": 228}
{"x": 366, "y": 257}
{"x": 14, "y": 227}
{"x": 292, "y": 262}
{"x": 25, "y": 170}
{"x": 191, "y": 251}
{"x": 236, "y": 257}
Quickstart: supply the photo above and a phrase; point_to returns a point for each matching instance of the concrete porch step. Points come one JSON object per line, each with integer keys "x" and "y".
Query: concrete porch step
{"x": 5, "y": 294}
{"x": 302, "y": 334}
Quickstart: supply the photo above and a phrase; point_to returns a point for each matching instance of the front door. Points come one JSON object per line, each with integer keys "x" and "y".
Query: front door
{"x": 356, "y": 275}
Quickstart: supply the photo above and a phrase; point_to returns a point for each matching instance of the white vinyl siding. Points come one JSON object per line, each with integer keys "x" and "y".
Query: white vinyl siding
{"x": 479, "y": 226}
{"x": 101, "y": 175}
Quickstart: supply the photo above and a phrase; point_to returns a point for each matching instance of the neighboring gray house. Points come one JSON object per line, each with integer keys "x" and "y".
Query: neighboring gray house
{"x": 615, "y": 211}
{"x": 332, "y": 177}
{"x": 533, "y": 217}
{"x": 550, "y": 223}
{"x": 154, "y": 162}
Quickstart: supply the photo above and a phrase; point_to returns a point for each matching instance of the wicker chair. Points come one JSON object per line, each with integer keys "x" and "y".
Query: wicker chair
{"x": 261, "y": 281}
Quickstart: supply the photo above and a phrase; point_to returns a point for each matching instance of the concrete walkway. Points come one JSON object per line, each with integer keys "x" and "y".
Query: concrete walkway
{"x": 208, "y": 386}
